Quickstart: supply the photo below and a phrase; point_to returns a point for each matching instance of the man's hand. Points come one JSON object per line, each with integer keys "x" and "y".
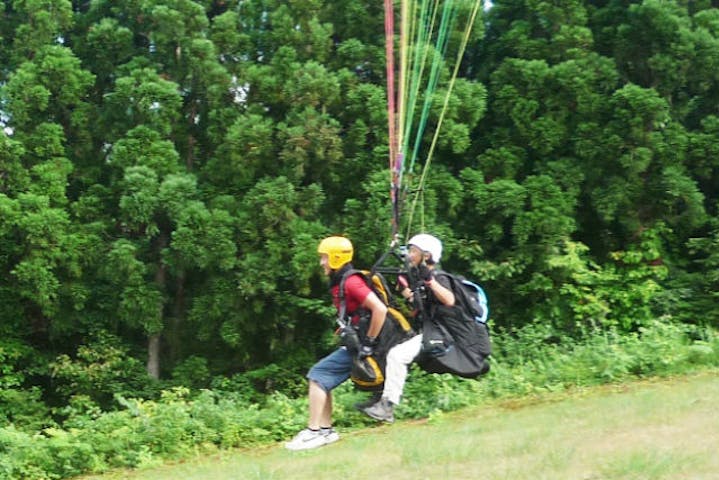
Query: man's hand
{"x": 425, "y": 274}
{"x": 366, "y": 351}
{"x": 367, "y": 347}
{"x": 349, "y": 338}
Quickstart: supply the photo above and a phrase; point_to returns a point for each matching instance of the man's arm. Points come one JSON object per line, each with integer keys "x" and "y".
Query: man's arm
{"x": 443, "y": 294}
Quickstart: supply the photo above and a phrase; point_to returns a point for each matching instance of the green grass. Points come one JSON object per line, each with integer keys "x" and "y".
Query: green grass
{"x": 647, "y": 430}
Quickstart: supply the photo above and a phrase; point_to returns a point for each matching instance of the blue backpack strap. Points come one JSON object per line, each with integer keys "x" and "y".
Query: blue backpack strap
{"x": 471, "y": 296}
{"x": 481, "y": 298}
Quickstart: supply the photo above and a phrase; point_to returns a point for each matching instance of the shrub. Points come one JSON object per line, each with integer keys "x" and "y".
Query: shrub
{"x": 24, "y": 409}
{"x": 192, "y": 372}
{"x": 101, "y": 370}
{"x": 145, "y": 432}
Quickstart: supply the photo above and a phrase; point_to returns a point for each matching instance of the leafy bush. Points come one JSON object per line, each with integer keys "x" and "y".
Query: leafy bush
{"x": 535, "y": 360}
{"x": 55, "y": 454}
{"x": 532, "y": 360}
{"x": 21, "y": 404}
{"x": 101, "y": 370}
{"x": 583, "y": 295}
{"x": 256, "y": 385}
{"x": 24, "y": 409}
{"x": 192, "y": 372}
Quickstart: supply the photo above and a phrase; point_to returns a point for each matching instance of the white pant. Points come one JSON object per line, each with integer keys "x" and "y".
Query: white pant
{"x": 398, "y": 359}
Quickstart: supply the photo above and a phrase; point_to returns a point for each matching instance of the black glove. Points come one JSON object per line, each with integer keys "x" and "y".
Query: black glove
{"x": 367, "y": 347}
{"x": 424, "y": 273}
{"x": 366, "y": 351}
{"x": 350, "y": 339}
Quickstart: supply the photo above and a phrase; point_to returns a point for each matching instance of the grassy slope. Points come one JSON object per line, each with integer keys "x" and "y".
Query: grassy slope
{"x": 659, "y": 429}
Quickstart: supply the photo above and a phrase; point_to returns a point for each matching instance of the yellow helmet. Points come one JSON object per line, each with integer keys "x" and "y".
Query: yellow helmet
{"x": 338, "y": 249}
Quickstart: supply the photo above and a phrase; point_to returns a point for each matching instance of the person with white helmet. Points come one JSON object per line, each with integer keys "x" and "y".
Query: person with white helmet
{"x": 329, "y": 372}
{"x": 424, "y": 253}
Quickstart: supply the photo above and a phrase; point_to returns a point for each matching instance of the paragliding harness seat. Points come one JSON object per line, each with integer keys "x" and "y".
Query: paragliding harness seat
{"x": 456, "y": 339}
{"x": 368, "y": 373}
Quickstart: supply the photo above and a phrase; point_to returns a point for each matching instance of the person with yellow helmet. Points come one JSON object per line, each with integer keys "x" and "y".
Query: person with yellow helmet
{"x": 335, "y": 259}
{"x": 427, "y": 291}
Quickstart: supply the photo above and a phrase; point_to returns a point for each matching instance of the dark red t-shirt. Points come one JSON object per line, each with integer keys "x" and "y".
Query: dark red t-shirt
{"x": 356, "y": 291}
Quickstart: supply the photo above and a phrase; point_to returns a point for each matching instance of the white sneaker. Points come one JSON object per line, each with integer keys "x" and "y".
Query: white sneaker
{"x": 331, "y": 435}
{"x": 308, "y": 439}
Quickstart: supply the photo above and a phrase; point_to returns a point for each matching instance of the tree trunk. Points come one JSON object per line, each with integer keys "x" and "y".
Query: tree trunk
{"x": 153, "y": 342}
{"x": 153, "y": 356}
{"x": 173, "y": 334}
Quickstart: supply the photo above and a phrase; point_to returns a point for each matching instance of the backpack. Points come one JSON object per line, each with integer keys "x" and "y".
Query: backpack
{"x": 368, "y": 372}
{"x": 471, "y": 297}
{"x": 456, "y": 339}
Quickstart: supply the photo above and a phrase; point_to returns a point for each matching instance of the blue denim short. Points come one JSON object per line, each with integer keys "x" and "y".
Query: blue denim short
{"x": 332, "y": 370}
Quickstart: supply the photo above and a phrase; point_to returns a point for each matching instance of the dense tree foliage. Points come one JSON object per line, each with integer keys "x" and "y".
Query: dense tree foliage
{"x": 167, "y": 168}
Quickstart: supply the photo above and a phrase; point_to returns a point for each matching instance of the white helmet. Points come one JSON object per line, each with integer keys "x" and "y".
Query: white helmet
{"x": 428, "y": 243}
